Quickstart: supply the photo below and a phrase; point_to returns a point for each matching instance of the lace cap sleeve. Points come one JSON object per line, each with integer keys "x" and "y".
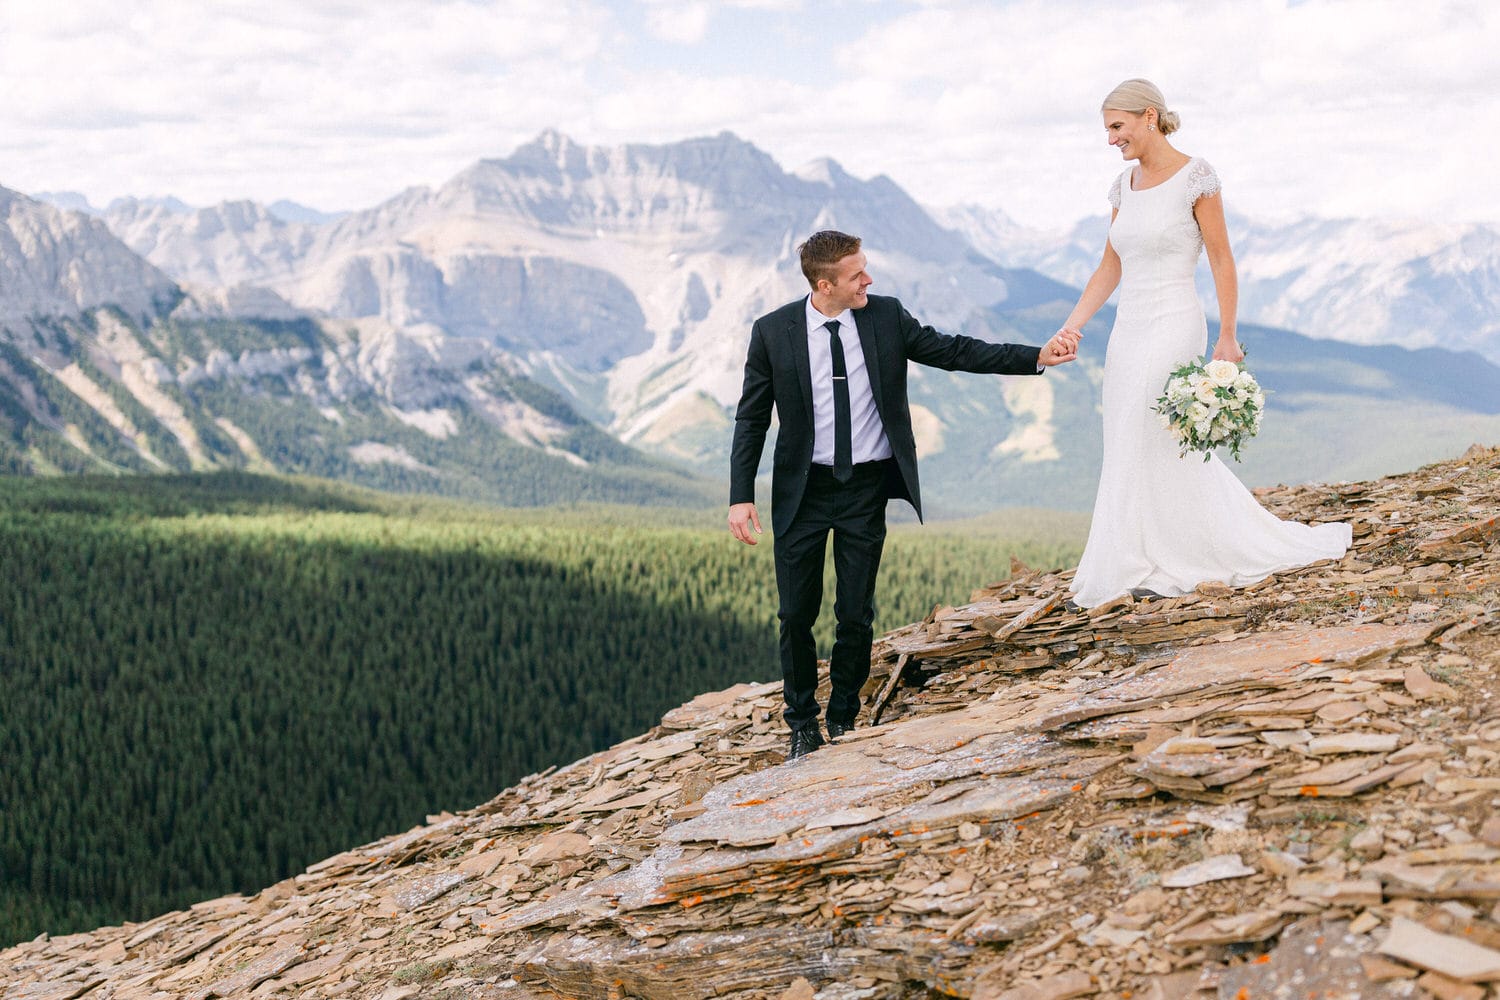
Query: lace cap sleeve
{"x": 1114, "y": 191}
{"x": 1201, "y": 180}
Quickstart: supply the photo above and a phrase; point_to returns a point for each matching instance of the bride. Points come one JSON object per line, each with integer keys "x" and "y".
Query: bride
{"x": 1164, "y": 523}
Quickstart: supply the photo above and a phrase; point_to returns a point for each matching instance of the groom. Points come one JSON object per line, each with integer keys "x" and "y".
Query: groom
{"x": 833, "y": 366}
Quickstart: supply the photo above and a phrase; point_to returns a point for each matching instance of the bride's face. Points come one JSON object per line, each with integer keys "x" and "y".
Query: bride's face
{"x": 1127, "y": 132}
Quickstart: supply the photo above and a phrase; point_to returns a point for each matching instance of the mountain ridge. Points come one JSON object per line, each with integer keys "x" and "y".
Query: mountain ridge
{"x": 1407, "y": 282}
{"x": 623, "y": 278}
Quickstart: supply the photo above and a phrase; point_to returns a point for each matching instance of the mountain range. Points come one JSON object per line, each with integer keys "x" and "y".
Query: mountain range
{"x": 591, "y": 305}
{"x": 1384, "y": 281}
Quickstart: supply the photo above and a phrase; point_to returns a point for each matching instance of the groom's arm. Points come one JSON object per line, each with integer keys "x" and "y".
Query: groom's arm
{"x": 955, "y": 352}
{"x": 752, "y": 418}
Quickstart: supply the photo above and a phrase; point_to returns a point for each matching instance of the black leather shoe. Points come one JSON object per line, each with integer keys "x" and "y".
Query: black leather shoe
{"x": 805, "y": 740}
{"x": 838, "y": 727}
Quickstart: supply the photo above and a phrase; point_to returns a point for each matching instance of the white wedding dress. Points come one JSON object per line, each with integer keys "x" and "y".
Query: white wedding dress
{"x": 1162, "y": 522}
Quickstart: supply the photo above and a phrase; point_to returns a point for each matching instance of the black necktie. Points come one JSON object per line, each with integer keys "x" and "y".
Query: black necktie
{"x": 843, "y": 447}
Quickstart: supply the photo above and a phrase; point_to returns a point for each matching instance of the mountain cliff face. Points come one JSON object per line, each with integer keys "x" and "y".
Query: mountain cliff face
{"x": 1285, "y": 790}
{"x": 56, "y": 263}
{"x": 233, "y": 243}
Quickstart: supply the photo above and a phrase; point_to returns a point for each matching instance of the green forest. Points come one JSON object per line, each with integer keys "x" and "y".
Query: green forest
{"x": 208, "y": 682}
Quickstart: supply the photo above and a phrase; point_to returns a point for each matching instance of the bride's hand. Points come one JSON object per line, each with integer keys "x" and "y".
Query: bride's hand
{"x": 1062, "y": 348}
{"x": 1228, "y": 350}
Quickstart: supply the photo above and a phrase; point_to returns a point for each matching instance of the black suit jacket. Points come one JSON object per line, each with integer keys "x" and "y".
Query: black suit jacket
{"x": 777, "y": 375}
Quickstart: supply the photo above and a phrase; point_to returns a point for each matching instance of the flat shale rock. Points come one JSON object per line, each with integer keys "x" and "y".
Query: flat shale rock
{"x": 1451, "y": 956}
{"x": 1315, "y": 958}
{"x": 1284, "y": 790}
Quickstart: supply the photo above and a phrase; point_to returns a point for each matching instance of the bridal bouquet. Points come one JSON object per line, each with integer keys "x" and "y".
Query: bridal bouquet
{"x": 1213, "y": 405}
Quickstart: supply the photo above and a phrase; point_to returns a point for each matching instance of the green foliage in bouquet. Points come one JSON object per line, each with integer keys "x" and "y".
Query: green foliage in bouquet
{"x": 1211, "y": 405}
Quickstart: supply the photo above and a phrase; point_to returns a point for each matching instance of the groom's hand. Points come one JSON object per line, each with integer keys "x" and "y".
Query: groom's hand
{"x": 1062, "y": 348}
{"x": 742, "y": 517}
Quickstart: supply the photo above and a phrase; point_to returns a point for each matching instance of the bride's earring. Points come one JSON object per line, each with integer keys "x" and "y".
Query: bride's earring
{"x": 1151, "y": 127}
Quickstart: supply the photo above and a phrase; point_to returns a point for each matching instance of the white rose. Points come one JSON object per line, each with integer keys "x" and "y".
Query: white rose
{"x": 1205, "y": 393}
{"x": 1197, "y": 413}
{"x": 1244, "y": 380}
{"x": 1222, "y": 373}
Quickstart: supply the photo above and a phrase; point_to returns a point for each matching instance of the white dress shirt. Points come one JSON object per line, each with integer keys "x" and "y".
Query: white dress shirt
{"x": 866, "y": 432}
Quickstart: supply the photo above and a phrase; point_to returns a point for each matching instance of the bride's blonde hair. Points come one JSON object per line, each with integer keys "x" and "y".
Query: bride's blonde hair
{"x": 1136, "y": 96}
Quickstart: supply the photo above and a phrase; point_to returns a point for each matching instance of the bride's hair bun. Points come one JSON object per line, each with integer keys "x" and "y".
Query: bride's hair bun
{"x": 1136, "y": 96}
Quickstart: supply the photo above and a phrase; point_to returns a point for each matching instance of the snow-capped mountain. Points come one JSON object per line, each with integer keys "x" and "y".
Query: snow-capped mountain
{"x": 1412, "y": 283}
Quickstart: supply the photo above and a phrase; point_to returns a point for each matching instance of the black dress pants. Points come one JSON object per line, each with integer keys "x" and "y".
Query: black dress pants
{"x": 855, "y": 512}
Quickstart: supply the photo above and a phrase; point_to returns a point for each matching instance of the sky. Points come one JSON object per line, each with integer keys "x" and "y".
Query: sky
{"x": 1368, "y": 108}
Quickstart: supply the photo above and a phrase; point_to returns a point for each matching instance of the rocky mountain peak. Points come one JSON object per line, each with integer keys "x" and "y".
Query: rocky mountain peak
{"x": 231, "y": 243}
{"x": 678, "y": 186}
{"x": 551, "y": 155}
{"x": 73, "y": 201}
{"x": 1287, "y": 789}
{"x": 291, "y": 211}
{"x": 62, "y": 263}
{"x": 170, "y": 204}
{"x": 824, "y": 170}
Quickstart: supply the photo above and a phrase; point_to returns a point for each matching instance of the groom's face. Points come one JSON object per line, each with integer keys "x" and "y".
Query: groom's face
{"x": 848, "y": 291}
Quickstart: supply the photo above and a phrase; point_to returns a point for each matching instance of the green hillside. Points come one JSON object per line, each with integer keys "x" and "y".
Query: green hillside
{"x": 293, "y": 406}
{"x": 212, "y": 680}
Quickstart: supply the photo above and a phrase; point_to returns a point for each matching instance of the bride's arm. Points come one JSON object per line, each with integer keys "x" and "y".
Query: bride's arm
{"x": 1209, "y": 211}
{"x": 1100, "y": 287}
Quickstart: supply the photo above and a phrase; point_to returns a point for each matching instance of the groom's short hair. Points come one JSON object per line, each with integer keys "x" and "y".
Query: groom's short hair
{"x": 822, "y": 252}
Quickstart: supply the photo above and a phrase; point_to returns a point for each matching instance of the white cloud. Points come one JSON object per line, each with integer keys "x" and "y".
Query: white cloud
{"x": 677, "y": 21}
{"x": 334, "y": 103}
{"x": 1325, "y": 106}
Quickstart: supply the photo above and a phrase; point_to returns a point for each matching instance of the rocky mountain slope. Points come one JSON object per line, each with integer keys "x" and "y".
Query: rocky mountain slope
{"x": 1286, "y": 790}
{"x": 61, "y": 264}
{"x": 1406, "y": 282}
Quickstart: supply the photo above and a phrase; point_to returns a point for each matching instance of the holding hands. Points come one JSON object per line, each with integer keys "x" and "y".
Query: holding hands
{"x": 1062, "y": 348}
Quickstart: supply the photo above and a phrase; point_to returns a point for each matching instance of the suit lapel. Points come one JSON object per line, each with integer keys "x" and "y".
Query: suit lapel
{"x": 866, "y": 325}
